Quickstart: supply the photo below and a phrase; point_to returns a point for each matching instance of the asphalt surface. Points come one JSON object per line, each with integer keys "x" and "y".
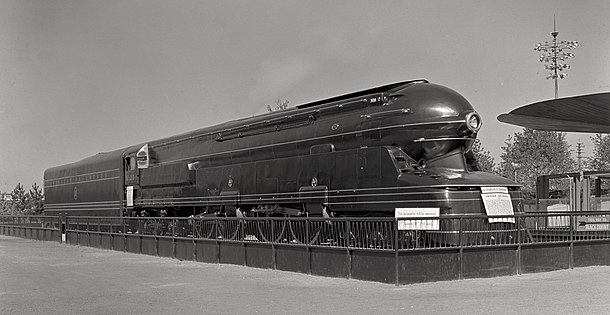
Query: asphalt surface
{"x": 52, "y": 278}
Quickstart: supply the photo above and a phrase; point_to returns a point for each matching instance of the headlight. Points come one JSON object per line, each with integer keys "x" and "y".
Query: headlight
{"x": 473, "y": 122}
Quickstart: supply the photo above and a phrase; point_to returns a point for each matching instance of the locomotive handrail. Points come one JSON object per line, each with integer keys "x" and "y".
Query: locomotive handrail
{"x": 387, "y": 113}
{"x": 440, "y": 139}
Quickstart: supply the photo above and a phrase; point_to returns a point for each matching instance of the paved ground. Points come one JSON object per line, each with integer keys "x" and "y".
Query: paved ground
{"x": 51, "y": 278}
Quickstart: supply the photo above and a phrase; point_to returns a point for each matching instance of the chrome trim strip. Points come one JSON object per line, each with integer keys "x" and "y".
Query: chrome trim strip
{"x": 86, "y": 174}
{"x": 84, "y": 209}
{"x": 83, "y": 182}
{"x": 309, "y": 139}
{"x": 84, "y": 206}
{"x": 442, "y": 139}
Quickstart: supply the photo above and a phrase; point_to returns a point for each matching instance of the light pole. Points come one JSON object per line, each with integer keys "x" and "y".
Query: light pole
{"x": 553, "y": 56}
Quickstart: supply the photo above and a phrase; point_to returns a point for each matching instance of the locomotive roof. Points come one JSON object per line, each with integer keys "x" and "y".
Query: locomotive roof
{"x": 117, "y": 154}
{"x": 268, "y": 117}
{"x": 102, "y": 160}
{"x": 375, "y": 90}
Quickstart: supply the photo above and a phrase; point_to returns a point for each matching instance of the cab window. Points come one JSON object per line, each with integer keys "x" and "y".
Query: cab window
{"x": 130, "y": 163}
{"x": 402, "y": 161}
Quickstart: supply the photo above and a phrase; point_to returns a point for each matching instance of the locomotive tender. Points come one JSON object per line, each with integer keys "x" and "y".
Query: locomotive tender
{"x": 367, "y": 153}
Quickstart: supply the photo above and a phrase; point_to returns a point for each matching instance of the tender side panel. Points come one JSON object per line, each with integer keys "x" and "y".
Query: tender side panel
{"x": 89, "y": 187}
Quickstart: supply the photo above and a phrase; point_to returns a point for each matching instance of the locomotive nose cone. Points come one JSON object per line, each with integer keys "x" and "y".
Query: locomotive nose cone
{"x": 444, "y": 121}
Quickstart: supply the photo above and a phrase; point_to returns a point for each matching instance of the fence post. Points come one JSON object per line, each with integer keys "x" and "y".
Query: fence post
{"x": 307, "y": 242}
{"x": 124, "y": 235}
{"x": 140, "y": 232}
{"x": 571, "y": 258}
{"x": 66, "y": 226}
{"x": 307, "y": 232}
{"x": 176, "y": 222}
{"x": 193, "y": 223}
{"x": 99, "y": 232}
{"x": 217, "y": 241}
{"x": 242, "y": 239}
{"x": 461, "y": 255}
{"x": 77, "y": 229}
{"x": 519, "y": 240}
{"x": 397, "y": 269}
{"x": 88, "y": 232}
{"x": 273, "y": 239}
{"x": 348, "y": 251}
{"x": 59, "y": 226}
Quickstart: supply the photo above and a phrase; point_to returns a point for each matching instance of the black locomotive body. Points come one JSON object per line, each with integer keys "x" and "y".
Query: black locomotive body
{"x": 401, "y": 145}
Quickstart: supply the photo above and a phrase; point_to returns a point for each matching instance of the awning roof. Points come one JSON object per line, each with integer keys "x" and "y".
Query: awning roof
{"x": 584, "y": 113}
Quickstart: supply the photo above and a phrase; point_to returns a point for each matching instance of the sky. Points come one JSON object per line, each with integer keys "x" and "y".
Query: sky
{"x": 78, "y": 77}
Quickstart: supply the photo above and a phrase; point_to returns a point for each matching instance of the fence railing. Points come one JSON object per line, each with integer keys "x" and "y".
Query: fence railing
{"x": 364, "y": 233}
{"x": 386, "y": 250}
{"x": 44, "y": 228}
{"x": 50, "y": 222}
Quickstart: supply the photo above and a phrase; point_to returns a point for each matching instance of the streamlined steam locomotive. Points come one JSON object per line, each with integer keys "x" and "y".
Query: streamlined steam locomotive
{"x": 367, "y": 153}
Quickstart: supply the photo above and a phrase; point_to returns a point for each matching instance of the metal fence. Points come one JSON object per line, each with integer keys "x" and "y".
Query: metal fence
{"x": 44, "y": 228}
{"x": 361, "y": 233}
{"x": 387, "y": 250}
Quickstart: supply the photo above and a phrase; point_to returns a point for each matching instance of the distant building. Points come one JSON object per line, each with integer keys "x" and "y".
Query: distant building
{"x": 5, "y": 196}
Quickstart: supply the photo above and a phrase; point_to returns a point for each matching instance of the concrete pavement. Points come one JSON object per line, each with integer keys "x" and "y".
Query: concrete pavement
{"x": 51, "y": 278}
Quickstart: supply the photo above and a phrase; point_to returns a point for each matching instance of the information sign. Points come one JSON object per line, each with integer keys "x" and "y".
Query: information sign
{"x": 129, "y": 196}
{"x": 497, "y": 202}
{"x": 593, "y": 223}
{"x": 415, "y": 218}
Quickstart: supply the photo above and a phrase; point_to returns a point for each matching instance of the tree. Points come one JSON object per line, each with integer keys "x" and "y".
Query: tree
{"x": 5, "y": 203}
{"x": 531, "y": 153}
{"x": 34, "y": 201}
{"x": 483, "y": 157}
{"x": 19, "y": 199}
{"x": 600, "y": 160}
{"x": 279, "y": 105}
{"x": 22, "y": 202}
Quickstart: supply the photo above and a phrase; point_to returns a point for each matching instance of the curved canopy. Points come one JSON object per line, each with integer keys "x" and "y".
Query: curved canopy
{"x": 584, "y": 113}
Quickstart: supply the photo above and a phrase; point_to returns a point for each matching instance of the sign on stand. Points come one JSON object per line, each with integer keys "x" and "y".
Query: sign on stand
{"x": 497, "y": 202}
{"x": 129, "y": 197}
{"x": 415, "y": 218}
{"x": 593, "y": 223}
